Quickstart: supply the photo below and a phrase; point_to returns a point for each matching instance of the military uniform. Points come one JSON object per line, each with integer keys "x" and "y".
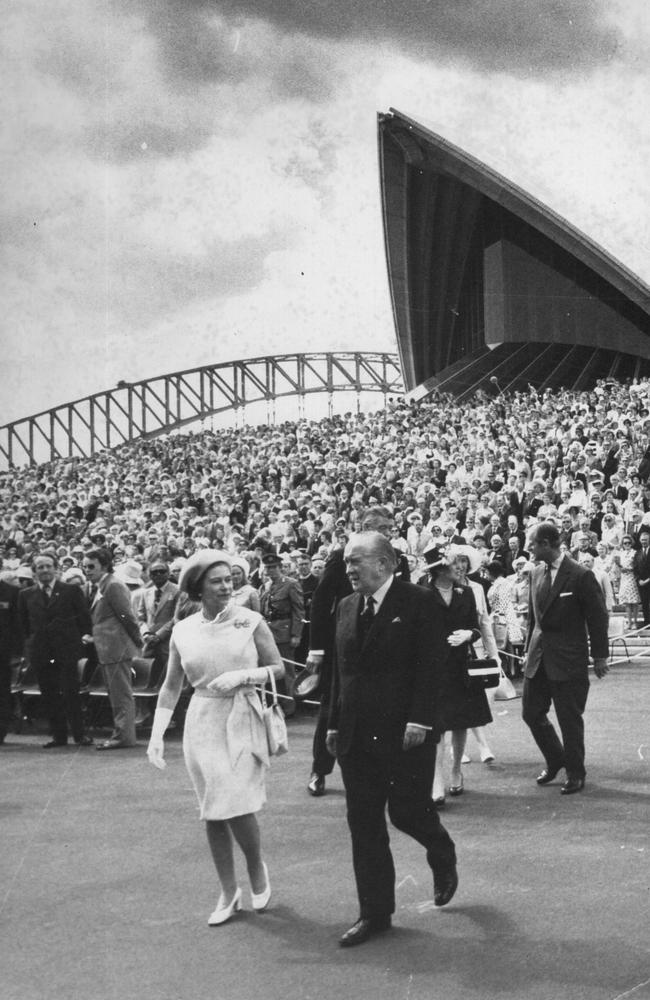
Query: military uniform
{"x": 283, "y": 608}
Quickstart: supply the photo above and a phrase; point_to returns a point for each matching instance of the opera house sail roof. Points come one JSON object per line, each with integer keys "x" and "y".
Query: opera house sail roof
{"x": 488, "y": 283}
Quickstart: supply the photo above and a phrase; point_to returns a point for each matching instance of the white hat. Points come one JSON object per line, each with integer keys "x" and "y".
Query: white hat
{"x": 472, "y": 555}
{"x": 130, "y": 573}
{"x": 74, "y": 573}
{"x": 243, "y": 564}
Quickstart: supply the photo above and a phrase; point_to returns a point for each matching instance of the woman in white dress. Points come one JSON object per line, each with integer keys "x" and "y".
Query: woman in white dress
{"x": 223, "y": 650}
{"x": 244, "y": 594}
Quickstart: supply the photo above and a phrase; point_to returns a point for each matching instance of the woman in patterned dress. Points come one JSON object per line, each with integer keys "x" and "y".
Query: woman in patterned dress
{"x": 628, "y": 592}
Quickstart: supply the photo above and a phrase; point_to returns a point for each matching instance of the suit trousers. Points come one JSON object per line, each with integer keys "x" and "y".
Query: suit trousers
{"x": 569, "y": 698}
{"x": 403, "y": 782}
{"x": 323, "y": 762}
{"x": 644, "y": 593}
{"x": 58, "y": 680}
{"x": 5, "y": 694}
{"x": 117, "y": 678}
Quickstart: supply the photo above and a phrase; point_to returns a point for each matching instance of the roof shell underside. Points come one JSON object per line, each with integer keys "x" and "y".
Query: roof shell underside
{"x": 474, "y": 262}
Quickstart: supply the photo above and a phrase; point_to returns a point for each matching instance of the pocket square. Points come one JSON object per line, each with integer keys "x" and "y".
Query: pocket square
{"x": 396, "y": 620}
{"x": 567, "y": 593}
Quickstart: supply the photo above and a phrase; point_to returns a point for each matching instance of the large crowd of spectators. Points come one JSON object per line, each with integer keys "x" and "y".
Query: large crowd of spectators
{"x": 478, "y": 472}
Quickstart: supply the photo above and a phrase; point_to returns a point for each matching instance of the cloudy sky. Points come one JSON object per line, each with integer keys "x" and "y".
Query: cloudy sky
{"x": 187, "y": 182}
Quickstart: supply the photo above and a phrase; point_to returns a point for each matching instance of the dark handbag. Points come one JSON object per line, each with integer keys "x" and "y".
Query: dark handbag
{"x": 483, "y": 673}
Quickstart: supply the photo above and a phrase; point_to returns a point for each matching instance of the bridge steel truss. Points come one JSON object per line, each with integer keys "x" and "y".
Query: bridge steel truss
{"x": 146, "y": 409}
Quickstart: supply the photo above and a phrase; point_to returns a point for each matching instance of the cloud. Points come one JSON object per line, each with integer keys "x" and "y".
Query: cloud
{"x": 200, "y": 44}
{"x": 515, "y": 36}
{"x": 188, "y": 182}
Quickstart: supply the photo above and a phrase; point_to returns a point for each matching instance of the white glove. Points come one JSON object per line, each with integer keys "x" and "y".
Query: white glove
{"x": 460, "y": 636}
{"x": 155, "y": 750}
{"x": 232, "y": 679}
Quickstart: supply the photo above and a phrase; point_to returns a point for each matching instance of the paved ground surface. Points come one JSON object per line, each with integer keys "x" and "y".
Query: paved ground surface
{"x": 107, "y": 882}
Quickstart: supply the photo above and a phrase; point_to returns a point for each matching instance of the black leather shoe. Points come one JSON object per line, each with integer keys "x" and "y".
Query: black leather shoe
{"x": 316, "y": 785}
{"x": 365, "y": 927}
{"x": 111, "y": 745}
{"x": 572, "y": 785}
{"x": 548, "y": 774}
{"x": 54, "y": 743}
{"x": 444, "y": 886}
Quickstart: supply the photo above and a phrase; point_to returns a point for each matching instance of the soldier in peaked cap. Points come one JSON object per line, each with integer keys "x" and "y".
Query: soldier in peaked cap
{"x": 282, "y": 605}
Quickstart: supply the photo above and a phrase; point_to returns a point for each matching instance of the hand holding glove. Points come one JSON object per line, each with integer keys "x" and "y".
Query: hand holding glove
{"x": 232, "y": 679}
{"x": 460, "y": 636}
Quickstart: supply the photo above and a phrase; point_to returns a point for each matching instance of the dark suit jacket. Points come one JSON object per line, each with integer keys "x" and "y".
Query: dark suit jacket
{"x": 10, "y": 629}
{"x": 393, "y": 677}
{"x": 576, "y": 609}
{"x": 332, "y": 587}
{"x": 54, "y": 629}
{"x": 641, "y": 565}
{"x": 517, "y": 504}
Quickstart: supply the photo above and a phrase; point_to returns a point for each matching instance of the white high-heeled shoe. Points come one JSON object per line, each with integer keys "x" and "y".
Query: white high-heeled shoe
{"x": 223, "y": 913}
{"x": 260, "y": 900}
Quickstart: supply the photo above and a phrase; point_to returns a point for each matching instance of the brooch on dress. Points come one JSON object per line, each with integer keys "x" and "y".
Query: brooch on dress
{"x": 241, "y": 623}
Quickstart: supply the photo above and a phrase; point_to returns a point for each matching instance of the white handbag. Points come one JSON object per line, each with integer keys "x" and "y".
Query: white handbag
{"x": 276, "y": 728}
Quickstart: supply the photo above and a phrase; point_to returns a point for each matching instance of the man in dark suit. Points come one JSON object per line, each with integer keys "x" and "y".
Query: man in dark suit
{"x": 641, "y": 567}
{"x": 517, "y": 499}
{"x": 384, "y": 725}
{"x": 566, "y": 604}
{"x": 10, "y": 645}
{"x": 332, "y": 587}
{"x": 54, "y": 617}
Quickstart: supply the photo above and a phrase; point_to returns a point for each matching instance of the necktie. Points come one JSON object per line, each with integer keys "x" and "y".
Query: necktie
{"x": 156, "y": 597}
{"x": 366, "y": 617}
{"x": 91, "y": 596}
{"x": 48, "y": 593}
{"x": 544, "y": 591}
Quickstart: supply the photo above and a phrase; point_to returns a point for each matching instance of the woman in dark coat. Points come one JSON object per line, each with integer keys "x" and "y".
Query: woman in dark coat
{"x": 463, "y": 706}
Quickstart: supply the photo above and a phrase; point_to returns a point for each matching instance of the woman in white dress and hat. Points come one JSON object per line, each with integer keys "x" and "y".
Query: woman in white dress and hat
{"x": 244, "y": 594}
{"x": 224, "y": 650}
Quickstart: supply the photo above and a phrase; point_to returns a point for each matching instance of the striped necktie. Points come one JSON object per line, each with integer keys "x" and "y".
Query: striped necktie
{"x": 366, "y": 617}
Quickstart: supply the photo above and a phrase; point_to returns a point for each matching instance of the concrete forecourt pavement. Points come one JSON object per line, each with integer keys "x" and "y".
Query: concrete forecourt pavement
{"x": 107, "y": 882}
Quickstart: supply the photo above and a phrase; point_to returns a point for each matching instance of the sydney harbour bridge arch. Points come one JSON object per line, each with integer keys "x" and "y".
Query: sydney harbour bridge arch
{"x": 165, "y": 403}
